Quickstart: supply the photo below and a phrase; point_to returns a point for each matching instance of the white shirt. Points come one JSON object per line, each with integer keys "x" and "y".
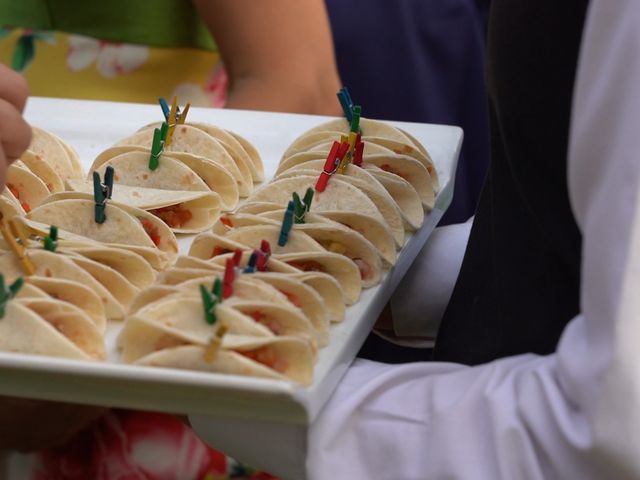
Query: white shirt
{"x": 571, "y": 415}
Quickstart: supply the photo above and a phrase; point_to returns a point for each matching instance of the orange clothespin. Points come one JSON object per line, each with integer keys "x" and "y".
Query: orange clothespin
{"x": 182, "y": 116}
{"x": 11, "y": 231}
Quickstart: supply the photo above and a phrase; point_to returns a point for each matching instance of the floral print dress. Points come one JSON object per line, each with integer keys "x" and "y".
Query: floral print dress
{"x": 123, "y": 445}
{"x": 74, "y": 66}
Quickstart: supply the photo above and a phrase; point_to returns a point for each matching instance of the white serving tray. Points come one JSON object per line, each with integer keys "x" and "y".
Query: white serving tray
{"x": 90, "y": 127}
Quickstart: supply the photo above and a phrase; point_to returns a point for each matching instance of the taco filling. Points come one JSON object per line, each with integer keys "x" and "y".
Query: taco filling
{"x": 151, "y": 229}
{"x": 267, "y": 357}
{"x": 293, "y": 298}
{"x": 218, "y": 250}
{"x": 268, "y": 322}
{"x": 307, "y": 266}
{"x": 174, "y": 215}
{"x": 366, "y": 272}
{"x": 16, "y": 193}
{"x": 388, "y": 168}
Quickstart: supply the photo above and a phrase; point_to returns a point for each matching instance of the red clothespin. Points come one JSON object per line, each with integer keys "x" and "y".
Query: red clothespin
{"x": 229, "y": 277}
{"x": 329, "y": 167}
{"x": 237, "y": 257}
{"x": 265, "y": 248}
{"x": 358, "y": 154}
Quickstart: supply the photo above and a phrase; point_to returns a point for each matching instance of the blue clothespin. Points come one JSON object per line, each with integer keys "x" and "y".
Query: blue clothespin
{"x": 165, "y": 107}
{"x": 102, "y": 193}
{"x": 157, "y": 147}
{"x": 209, "y": 301}
{"x": 7, "y": 294}
{"x": 51, "y": 240}
{"x": 287, "y": 223}
{"x": 253, "y": 262}
{"x": 346, "y": 103}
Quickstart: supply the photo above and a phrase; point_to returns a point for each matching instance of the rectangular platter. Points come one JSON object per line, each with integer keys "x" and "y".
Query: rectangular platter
{"x": 90, "y": 127}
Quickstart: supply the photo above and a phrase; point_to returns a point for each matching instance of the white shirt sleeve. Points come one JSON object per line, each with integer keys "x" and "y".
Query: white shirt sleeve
{"x": 571, "y": 415}
{"x": 420, "y": 300}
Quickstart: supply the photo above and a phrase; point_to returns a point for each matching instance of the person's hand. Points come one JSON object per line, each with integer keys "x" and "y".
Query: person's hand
{"x": 31, "y": 425}
{"x": 15, "y": 133}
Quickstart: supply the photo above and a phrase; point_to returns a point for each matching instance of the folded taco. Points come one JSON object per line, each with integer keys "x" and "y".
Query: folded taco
{"x": 176, "y": 171}
{"x": 123, "y": 225}
{"x": 40, "y": 326}
{"x": 188, "y": 139}
{"x": 182, "y": 211}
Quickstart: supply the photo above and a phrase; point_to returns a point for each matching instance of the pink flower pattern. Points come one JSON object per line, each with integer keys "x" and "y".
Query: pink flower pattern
{"x": 127, "y": 445}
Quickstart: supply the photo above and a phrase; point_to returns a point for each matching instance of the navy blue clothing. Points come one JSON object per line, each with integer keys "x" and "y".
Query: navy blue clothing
{"x": 420, "y": 61}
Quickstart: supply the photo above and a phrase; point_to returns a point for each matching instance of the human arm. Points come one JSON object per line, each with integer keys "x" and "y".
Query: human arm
{"x": 572, "y": 414}
{"x": 278, "y": 54}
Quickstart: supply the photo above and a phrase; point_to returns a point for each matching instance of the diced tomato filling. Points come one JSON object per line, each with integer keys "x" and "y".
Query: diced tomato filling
{"x": 268, "y": 322}
{"x": 16, "y": 193}
{"x": 266, "y": 356}
{"x": 308, "y": 266}
{"x": 365, "y": 270}
{"x": 293, "y": 298}
{"x": 151, "y": 230}
{"x": 388, "y": 168}
{"x": 225, "y": 220}
{"x": 174, "y": 215}
{"x": 218, "y": 250}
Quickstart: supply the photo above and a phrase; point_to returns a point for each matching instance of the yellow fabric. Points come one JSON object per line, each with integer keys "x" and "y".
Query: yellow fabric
{"x": 73, "y": 66}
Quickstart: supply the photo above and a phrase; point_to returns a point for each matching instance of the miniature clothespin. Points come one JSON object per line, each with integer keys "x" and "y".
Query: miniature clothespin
{"x": 287, "y": 223}
{"x": 51, "y": 240}
{"x": 172, "y": 121}
{"x": 308, "y": 198}
{"x": 165, "y": 108}
{"x": 265, "y": 248}
{"x": 182, "y": 116}
{"x": 229, "y": 277}
{"x": 157, "y": 146}
{"x": 237, "y": 256}
{"x": 355, "y": 119}
{"x": 298, "y": 209}
{"x": 252, "y": 264}
{"x": 329, "y": 167}
{"x": 344, "y": 155}
{"x": 209, "y": 302}
{"x": 211, "y": 352}
{"x": 102, "y": 192}
{"x": 11, "y": 231}
{"x": 359, "y": 151}
{"x": 346, "y": 103}
{"x": 7, "y": 294}
{"x": 217, "y": 288}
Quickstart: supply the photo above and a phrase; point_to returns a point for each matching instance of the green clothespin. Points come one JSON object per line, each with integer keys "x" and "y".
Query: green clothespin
{"x": 7, "y": 294}
{"x": 308, "y": 198}
{"x": 102, "y": 193}
{"x": 51, "y": 240}
{"x": 355, "y": 119}
{"x": 217, "y": 288}
{"x": 299, "y": 209}
{"x": 159, "y": 137}
{"x": 209, "y": 301}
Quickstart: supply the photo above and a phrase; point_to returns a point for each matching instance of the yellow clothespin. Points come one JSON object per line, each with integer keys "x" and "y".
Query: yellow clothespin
{"x": 344, "y": 163}
{"x": 173, "y": 115}
{"x": 215, "y": 343}
{"x": 182, "y": 117}
{"x": 10, "y": 231}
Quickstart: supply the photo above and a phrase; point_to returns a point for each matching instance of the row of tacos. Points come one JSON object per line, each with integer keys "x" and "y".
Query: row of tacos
{"x": 348, "y": 238}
